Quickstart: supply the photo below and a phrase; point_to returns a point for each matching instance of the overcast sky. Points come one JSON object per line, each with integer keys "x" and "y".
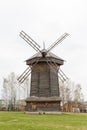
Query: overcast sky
{"x": 44, "y": 20}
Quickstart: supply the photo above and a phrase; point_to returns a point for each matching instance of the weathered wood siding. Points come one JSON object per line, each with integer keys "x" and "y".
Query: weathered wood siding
{"x": 43, "y": 106}
{"x": 44, "y": 81}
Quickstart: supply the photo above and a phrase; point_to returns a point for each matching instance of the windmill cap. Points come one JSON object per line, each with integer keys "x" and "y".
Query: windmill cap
{"x": 48, "y": 56}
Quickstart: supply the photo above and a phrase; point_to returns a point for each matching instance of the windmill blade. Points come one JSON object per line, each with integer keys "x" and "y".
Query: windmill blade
{"x": 51, "y": 64}
{"x": 59, "y": 40}
{"x": 54, "y": 68}
{"x": 62, "y": 76}
{"x": 24, "y": 75}
{"x": 29, "y": 40}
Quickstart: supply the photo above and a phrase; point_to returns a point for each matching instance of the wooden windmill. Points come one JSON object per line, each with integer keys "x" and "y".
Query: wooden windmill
{"x": 45, "y": 71}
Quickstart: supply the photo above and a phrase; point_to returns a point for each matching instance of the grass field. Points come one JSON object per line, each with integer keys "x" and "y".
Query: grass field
{"x": 21, "y": 121}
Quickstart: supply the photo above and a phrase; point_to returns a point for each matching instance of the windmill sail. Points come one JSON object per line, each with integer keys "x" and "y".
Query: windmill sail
{"x": 61, "y": 74}
{"x": 29, "y": 40}
{"x": 59, "y": 40}
{"x": 24, "y": 75}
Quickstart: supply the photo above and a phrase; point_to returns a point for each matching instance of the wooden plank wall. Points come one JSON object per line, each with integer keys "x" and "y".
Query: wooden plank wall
{"x": 44, "y": 81}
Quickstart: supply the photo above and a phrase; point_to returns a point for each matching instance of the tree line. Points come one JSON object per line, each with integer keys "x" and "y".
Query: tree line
{"x": 13, "y": 92}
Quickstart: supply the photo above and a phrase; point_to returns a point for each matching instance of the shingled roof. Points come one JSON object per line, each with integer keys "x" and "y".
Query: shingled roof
{"x": 49, "y": 54}
{"x": 44, "y": 56}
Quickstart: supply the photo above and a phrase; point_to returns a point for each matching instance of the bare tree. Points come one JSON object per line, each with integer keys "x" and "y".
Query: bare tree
{"x": 9, "y": 90}
{"x": 5, "y": 92}
{"x": 13, "y": 92}
{"x": 78, "y": 95}
{"x": 62, "y": 92}
{"x": 70, "y": 92}
{"x": 65, "y": 91}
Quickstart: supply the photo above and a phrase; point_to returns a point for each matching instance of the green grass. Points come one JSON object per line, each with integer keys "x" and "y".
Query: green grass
{"x": 21, "y": 121}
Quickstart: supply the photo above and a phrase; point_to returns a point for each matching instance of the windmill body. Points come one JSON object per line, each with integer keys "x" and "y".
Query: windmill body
{"x": 44, "y": 79}
{"x": 44, "y": 88}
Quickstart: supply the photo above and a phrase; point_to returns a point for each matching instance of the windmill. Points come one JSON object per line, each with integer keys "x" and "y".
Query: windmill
{"x": 45, "y": 71}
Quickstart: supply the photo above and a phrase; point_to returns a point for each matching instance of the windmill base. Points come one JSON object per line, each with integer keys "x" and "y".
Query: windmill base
{"x": 36, "y": 104}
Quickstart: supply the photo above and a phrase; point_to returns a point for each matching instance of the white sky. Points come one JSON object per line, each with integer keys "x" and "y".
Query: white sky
{"x": 44, "y": 20}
